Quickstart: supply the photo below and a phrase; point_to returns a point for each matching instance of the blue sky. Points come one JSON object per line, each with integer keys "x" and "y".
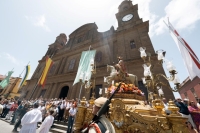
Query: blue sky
{"x": 28, "y": 27}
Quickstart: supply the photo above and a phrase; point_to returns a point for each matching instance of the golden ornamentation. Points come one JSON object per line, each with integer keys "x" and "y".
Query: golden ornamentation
{"x": 92, "y": 100}
{"x": 80, "y": 116}
{"x": 88, "y": 117}
{"x": 158, "y": 104}
{"x": 178, "y": 124}
{"x": 129, "y": 114}
{"x": 173, "y": 108}
{"x": 127, "y": 96}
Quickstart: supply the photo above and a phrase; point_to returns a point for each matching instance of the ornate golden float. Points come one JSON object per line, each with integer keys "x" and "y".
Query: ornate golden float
{"x": 128, "y": 110}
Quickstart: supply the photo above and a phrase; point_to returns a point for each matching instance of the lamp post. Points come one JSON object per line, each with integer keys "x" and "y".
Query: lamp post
{"x": 152, "y": 80}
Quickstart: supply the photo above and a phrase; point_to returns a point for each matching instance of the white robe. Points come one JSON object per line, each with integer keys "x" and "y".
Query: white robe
{"x": 29, "y": 121}
{"x": 46, "y": 124}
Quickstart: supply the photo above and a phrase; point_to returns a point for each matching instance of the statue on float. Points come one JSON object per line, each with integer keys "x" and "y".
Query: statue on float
{"x": 118, "y": 73}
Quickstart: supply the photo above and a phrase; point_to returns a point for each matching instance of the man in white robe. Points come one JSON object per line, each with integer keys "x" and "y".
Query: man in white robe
{"x": 30, "y": 119}
{"x": 47, "y": 123}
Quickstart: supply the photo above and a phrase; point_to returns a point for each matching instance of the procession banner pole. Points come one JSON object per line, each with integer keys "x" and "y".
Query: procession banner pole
{"x": 82, "y": 83}
{"x": 79, "y": 97}
{"x": 39, "y": 79}
{"x": 23, "y": 69}
{"x": 36, "y": 85}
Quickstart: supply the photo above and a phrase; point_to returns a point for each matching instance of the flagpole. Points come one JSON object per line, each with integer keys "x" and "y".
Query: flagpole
{"x": 23, "y": 69}
{"x": 38, "y": 80}
{"x": 82, "y": 83}
{"x": 36, "y": 85}
{"x": 20, "y": 76}
{"x": 79, "y": 97}
{"x": 7, "y": 87}
{"x": 180, "y": 40}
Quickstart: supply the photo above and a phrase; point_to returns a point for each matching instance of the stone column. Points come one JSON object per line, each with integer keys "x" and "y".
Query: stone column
{"x": 48, "y": 92}
{"x": 54, "y": 90}
{"x": 62, "y": 66}
{"x": 57, "y": 90}
{"x": 37, "y": 92}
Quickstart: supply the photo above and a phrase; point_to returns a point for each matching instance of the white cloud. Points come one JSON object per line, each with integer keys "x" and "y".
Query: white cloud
{"x": 39, "y": 21}
{"x": 114, "y": 9}
{"x": 182, "y": 14}
{"x": 144, "y": 11}
{"x": 12, "y": 59}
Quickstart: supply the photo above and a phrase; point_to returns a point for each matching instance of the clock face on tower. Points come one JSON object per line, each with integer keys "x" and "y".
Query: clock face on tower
{"x": 127, "y": 17}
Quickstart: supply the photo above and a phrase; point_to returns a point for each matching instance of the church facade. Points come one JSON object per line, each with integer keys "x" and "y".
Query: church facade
{"x": 130, "y": 35}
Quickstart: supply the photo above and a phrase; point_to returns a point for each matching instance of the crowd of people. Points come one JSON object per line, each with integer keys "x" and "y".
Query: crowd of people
{"x": 190, "y": 110}
{"x": 29, "y": 112}
{"x": 26, "y": 112}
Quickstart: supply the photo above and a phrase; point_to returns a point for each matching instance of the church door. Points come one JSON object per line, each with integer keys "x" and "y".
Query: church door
{"x": 63, "y": 92}
{"x": 97, "y": 88}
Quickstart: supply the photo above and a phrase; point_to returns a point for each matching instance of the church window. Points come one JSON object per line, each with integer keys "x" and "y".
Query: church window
{"x": 185, "y": 94}
{"x": 132, "y": 44}
{"x": 62, "y": 43}
{"x": 89, "y": 34}
{"x": 98, "y": 56}
{"x": 193, "y": 92}
{"x": 125, "y": 8}
{"x": 80, "y": 39}
{"x": 71, "y": 64}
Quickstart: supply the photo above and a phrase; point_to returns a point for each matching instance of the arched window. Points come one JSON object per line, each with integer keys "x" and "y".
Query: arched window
{"x": 125, "y": 8}
{"x": 71, "y": 64}
{"x": 98, "y": 56}
{"x": 132, "y": 44}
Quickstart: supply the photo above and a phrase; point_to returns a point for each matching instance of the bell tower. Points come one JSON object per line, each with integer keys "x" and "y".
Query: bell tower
{"x": 127, "y": 15}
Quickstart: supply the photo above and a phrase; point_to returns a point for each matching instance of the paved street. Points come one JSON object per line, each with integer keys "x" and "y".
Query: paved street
{"x": 5, "y": 127}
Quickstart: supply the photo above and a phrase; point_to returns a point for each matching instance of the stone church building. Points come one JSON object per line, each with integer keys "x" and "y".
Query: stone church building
{"x": 124, "y": 41}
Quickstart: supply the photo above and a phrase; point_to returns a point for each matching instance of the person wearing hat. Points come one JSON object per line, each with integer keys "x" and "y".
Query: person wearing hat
{"x": 30, "y": 120}
{"x": 186, "y": 101}
{"x": 103, "y": 125}
{"x": 184, "y": 111}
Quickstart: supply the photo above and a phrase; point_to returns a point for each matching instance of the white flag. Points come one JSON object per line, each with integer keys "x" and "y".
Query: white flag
{"x": 84, "y": 68}
{"x": 190, "y": 59}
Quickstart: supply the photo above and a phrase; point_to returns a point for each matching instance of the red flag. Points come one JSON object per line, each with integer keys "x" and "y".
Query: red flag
{"x": 190, "y": 59}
